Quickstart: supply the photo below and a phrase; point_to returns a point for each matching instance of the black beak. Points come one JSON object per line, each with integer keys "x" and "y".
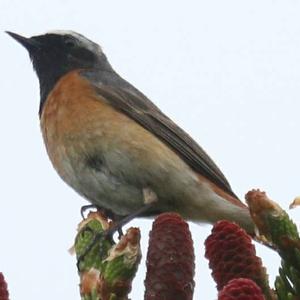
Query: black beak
{"x": 28, "y": 43}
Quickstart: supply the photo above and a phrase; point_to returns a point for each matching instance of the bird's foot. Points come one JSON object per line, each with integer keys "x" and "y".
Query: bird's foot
{"x": 84, "y": 208}
{"x": 107, "y": 212}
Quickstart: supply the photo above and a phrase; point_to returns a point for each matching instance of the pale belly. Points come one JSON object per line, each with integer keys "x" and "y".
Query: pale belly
{"x": 115, "y": 179}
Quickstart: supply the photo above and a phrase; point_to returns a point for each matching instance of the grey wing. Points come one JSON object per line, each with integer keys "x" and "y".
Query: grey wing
{"x": 127, "y": 99}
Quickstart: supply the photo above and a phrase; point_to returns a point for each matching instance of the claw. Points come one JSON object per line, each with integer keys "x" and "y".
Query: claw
{"x": 84, "y": 208}
{"x": 107, "y": 212}
{"x": 120, "y": 233}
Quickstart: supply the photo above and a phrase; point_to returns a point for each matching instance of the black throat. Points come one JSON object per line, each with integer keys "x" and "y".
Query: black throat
{"x": 49, "y": 75}
{"x": 46, "y": 85}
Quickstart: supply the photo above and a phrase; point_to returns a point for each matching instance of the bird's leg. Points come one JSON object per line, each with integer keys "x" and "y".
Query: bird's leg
{"x": 150, "y": 198}
{"x": 122, "y": 222}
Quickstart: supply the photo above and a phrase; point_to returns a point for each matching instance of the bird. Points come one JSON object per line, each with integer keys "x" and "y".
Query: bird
{"x": 114, "y": 146}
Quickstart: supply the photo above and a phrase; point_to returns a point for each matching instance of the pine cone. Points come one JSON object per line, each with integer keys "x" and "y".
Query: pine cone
{"x": 170, "y": 260}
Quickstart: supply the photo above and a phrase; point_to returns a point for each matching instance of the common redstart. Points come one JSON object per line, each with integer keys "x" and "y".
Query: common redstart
{"x": 111, "y": 144}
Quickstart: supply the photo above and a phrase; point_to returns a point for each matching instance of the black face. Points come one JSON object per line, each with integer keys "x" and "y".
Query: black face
{"x": 59, "y": 54}
{"x": 54, "y": 55}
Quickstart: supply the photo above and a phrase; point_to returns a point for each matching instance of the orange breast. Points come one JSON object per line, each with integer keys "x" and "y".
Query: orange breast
{"x": 71, "y": 113}
{"x": 71, "y": 106}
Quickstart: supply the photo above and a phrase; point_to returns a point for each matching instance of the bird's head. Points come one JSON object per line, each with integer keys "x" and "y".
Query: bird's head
{"x": 58, "y": 52}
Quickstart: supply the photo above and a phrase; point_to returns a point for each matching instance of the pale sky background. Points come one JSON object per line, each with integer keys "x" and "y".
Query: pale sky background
{"x": 226, "y": 71}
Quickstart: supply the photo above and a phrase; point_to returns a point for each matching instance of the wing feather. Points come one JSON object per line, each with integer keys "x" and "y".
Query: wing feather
{"x": 125, "y": 98}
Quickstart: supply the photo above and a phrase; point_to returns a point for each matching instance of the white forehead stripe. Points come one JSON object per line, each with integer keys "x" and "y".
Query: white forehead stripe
{"x": 63, "y": 32}
{"x": 85, "y": 41}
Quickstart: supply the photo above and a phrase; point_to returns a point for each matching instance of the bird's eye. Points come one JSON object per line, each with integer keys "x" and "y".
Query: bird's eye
{"x": 70, "y": 43}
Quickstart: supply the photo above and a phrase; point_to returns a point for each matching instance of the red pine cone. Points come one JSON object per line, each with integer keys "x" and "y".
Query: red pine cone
{"x": 170, "y": 260}
{"x": 3, "y": 288}
{"x": 241, "y": 289}
{"x": 232, "y": 255}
